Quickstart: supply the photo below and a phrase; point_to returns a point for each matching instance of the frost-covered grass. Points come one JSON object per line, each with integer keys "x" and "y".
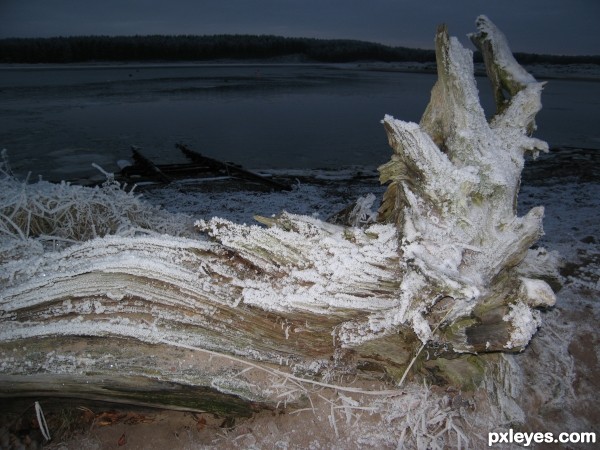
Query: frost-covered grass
{"x": 64, "y": 213}
{"x": 357, "y": 415}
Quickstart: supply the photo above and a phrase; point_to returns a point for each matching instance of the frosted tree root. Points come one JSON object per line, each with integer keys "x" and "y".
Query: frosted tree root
{"x": 439, "y": 275}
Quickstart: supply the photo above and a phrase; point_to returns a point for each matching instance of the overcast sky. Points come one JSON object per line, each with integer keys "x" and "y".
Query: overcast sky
{"x": 540, "y": 26}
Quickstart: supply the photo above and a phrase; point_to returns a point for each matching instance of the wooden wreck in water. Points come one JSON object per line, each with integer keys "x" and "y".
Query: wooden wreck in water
{"x": 200, "y": 167}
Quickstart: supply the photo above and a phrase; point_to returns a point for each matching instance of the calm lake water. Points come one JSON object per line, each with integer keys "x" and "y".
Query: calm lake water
{"x": 56, "y": 121}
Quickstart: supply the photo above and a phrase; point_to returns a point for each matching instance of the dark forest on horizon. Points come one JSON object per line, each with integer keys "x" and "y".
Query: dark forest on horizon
{"x": 77, "y": 49}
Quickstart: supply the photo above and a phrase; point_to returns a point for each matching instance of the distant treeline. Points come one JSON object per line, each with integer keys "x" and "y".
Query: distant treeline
{"x": 194, "y": 48}
{"x": 202, "y": 48}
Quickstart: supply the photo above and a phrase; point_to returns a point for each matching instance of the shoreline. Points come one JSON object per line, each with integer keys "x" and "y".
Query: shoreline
{"x": 578, "y": 72}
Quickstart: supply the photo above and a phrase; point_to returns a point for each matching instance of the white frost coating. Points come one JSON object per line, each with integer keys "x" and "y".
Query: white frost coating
{"x": 116, "y": 328}
{"x": 319, "y": 265}
{"x": 474, "y": 148}
{"x": 537, "y": 293}
{"x": 455, "y": 179}
{"x": 504, "y": 56}
{"x": 168, "y": 259}
{"x": 541, "y": 263}
{"x": 525, "y": 323}
{"x": 362, "y": 214}
{"x": 316, "y": 267}
{"x": 519, "y": 114}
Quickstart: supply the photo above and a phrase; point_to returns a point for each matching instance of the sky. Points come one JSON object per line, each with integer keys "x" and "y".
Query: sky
{"x": 536, "y": 26}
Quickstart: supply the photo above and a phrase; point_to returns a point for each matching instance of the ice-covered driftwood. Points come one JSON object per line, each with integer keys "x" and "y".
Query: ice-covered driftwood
{"x": 134, "y": 314}
{"x": 454, "y": 184}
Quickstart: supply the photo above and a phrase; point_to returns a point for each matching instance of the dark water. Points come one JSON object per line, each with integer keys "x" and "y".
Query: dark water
{"x": 57, "y": 121}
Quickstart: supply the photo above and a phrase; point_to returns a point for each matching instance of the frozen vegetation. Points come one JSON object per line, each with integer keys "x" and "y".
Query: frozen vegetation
{"x": 283, "y": 314}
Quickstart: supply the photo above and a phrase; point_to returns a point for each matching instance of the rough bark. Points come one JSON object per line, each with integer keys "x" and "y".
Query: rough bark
{"x": 439, "y": 272}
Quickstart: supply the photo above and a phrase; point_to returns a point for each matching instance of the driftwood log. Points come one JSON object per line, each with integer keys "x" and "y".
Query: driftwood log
{"x": 132, "y": 315}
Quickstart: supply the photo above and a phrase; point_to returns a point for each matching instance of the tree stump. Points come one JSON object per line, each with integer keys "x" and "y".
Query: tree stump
{"x": 129, "y": 314}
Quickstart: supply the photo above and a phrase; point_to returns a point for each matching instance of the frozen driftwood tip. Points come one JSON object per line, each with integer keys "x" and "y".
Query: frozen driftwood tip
{"x": 503, "y": 70}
